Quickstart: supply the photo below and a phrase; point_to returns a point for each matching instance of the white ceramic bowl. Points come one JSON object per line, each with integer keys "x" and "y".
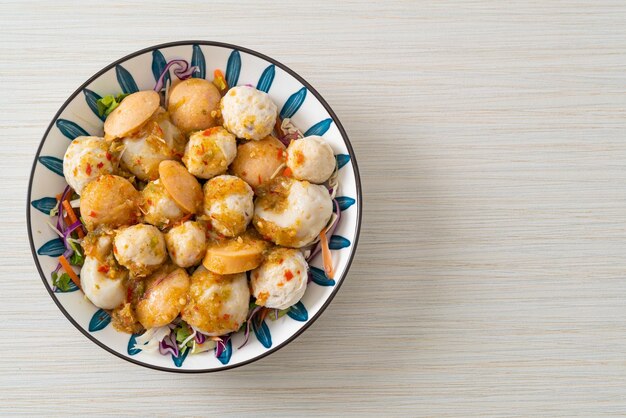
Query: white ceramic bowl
{"x": 294, "y": 97}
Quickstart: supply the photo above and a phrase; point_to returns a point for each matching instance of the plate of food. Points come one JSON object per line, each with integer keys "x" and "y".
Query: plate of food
{"x": 194, "y": 206}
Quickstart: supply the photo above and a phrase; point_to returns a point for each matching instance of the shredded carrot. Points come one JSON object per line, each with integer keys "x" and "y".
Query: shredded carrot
{"x": 70, "y": 213}
{"x": 69, "y": 270}
{"x": 326, "y": 256}
{"x": 287, "y": 172}
{"x": 220, "y": 81}
{"x": 66, "y": 218}
{"x": 218, "y": 73}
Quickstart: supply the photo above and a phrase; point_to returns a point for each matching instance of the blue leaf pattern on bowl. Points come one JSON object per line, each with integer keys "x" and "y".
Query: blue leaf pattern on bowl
{"x": 178, "y": 361}
{"x": 126, "y": 81}
{"x": 224, "y": 358}
{"x": 293, "y": 103}
{"x": 345, "y": 202}
{"x": 337, "y": 242}
{"x": 70, "y": 129}
{"x": 45, "y": 204}
{"x": 319, "y": 277}
{"x": 158, "y": 66}
{"x": 53, "y": 164}
{"x": 92, "y": 101}
{"x": 233, "y": 67}
{"x": 53, "y": 248}
{"x": 197, "y": 59}
{"x": 131, "y": 344}
{"x": 342, "y": 159}
{"x": 319, "y": 128}
{"x": 99, "y": 320}
{"x": 265, "y": 82}
{"x": 262, "y": 333}
{"x": 298, "y": 312}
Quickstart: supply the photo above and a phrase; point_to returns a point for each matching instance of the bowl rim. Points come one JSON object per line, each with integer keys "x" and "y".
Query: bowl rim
{"x": 356, "y": 177}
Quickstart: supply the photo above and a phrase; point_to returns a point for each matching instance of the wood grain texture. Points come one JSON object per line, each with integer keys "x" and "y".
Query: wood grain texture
{"x": 489, "y": 279}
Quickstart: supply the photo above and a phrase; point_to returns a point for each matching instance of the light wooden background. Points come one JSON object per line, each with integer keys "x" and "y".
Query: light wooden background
{"x": 490, "y": 277}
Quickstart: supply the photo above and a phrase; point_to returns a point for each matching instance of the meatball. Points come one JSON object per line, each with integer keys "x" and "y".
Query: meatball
{"x": 217, "y": 304}
{"x": 228, "y": 203}
{"x": 156, "y": 141}
{"x": 311, "y": 159}
{"x": 164, "y": 297}
{"x": 186, "y": 243}
{"x": 109, "y": 201}
{"x": 281, "y": 280}
{"x": 86, "y": 159}
{"x": 103, "y": 289}
{"x": 131, "y": 114}
{"x": 192, "y": 104}
{"x": 209, "y": 153}
{"x": 257, "y": 161}
{"x": 248, "y": 113}
{"x": 140, "y": 248}
{"x": 158, "y": 206}
{"x": 292, "y": 213}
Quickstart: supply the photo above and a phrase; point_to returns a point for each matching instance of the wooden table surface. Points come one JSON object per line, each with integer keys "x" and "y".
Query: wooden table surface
{"x": 490, "y": 275}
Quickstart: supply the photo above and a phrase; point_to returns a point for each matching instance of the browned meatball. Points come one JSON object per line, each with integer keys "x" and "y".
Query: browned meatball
{"x": 191, "y": 102}
{"x": 165, "y": 296}
{"x": 256, "y": 161}
{"x": 109, "y": 201}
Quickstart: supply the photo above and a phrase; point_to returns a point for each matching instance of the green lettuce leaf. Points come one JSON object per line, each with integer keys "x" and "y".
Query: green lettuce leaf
{"x": 108, "y": 103}
{"x": 77, "y": 259}
{"x": 62, "y": 282}
{"x": 182, "y": 332}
